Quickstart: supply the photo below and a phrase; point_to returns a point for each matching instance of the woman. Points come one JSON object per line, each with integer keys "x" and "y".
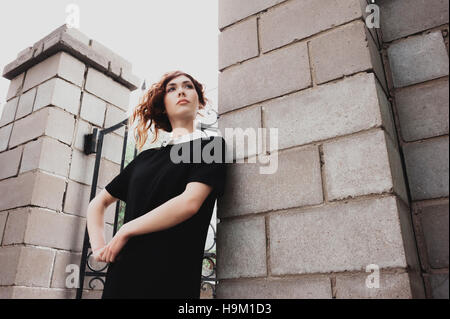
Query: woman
{"x": 158, "y": 252}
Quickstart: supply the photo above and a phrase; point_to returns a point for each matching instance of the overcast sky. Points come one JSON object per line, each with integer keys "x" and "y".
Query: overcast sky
{"x": 156, "y": 36}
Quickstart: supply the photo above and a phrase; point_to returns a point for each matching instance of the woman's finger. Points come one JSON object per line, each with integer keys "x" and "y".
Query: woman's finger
{"x": 108, "y": 257}
{"x": 113, "y": 255}
{"x": 104, "y": 253}
{"x": 100, "y": 254}
{"x": 95, "y": 254}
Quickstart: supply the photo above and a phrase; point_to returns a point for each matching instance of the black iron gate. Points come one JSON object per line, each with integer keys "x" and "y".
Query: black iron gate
{"x": 94, "y": 144}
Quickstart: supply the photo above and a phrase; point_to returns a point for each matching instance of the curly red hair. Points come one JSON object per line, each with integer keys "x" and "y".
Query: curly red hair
{"x": 151, "y": 109}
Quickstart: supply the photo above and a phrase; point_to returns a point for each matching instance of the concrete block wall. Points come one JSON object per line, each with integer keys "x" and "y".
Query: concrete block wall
{"x": 338, "y": 201}
{"x": 415, "y": 52}
{"x": 61, "y": 88}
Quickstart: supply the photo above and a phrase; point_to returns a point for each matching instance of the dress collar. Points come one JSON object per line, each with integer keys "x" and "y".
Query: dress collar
{"x": 197, "y": 133}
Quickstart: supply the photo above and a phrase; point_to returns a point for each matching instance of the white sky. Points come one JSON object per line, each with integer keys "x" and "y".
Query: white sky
{"x": 156, "y": 36}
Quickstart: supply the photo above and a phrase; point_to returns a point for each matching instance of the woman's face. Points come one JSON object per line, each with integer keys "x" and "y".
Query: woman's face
{"x": 179, "y": 89}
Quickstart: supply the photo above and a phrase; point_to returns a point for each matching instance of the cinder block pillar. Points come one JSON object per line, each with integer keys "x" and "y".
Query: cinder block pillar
{"x": 335, "y": 213}
{"x": 61, "y": 88}
{"x": 415, "y": 42}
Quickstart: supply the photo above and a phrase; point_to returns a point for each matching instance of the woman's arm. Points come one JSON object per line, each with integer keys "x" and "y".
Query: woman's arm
{"x": 95, "y": 218}
{"x": 171, "y": 213}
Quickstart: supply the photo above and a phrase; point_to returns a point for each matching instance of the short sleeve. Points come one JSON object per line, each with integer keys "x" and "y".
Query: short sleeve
{"x": 118, "y": 187}
{"x": 214, "y": 173}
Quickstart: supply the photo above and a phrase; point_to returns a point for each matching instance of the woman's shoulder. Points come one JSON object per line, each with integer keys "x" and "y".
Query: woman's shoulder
{"x": 143, "y": 154}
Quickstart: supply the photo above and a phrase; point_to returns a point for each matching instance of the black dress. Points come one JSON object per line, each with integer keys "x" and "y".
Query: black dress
{"x": 165, "y": 264}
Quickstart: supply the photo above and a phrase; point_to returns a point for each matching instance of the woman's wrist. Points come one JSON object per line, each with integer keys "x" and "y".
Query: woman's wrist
{"x": 94, "y": 249}
{"x": 125, "y": 230}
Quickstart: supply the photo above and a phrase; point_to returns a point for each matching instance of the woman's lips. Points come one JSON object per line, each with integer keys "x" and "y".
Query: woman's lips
{"x": 183, "y": 102}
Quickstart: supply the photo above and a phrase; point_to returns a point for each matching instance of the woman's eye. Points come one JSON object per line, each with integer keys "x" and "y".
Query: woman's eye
{"x": 189, "y": 86}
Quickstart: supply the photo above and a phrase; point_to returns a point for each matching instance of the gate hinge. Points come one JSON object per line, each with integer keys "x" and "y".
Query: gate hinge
{"x": 90, "y": 142}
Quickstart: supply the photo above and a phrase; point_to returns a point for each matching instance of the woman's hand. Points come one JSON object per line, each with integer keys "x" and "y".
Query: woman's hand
{"x": 112, "y": 249}
{"x": 97, "y": 252}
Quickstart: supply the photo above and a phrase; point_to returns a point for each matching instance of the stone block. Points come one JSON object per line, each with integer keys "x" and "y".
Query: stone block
{"x": 327, "y": 111}
{"x": 248, "y": 120}
{"x": 359, "y": 165}
{"x": 31, "y": 225}
{"x": 132, "y": 81}
{"x": 296, "y": 20}
{"x": 291, "y": 179}
{"x": 346, "y": 50}
{"x": 57, "y": 92}
{"x": 3, "y": 217}
{"x": 387, "y": 117}
{"x": 112, "y": 147}
{"x": 78, "y": 35}
{"x": 83, "y": 50}
{"x": 9, "y": 162}
{"x": 82, "y": 129}
{"x": 49, "y": 121}
{"x": 26, "y": 266}
{"x": 254, "y": 81}
{"x": 427, "y": 168}
{"x": 62, "y": 269}
{"x": 238, "y": 43}
{"x": 77, "y": 199}
{"x": 231, "y": 11}
{"x": 107, "y": 171}
{"x": 15, "y": 86}
{"x": 411, "y": 251}
{"x": 82, "y": 167}
{"x": 418, "y": 59}
{"x": 114, "y": 116}
{"x": 396, "y": 170}
{"x": 25, "y": 105}
{"x": 16, "y": 226}
{"x": 439, "y": 286}
{"x": 403, "y": 18}
{"x": 242, "y": 244}
{"x": 48, "y": 155}
{"x": 92, "y": 294}
{"x": 9, "y": 111}
{"x": 391, "y": 286}
{"x": 93, "y": 109}
{"x": 117, "y": 62}
{"x": 60, "y": 125}
{"x": 9, "y": 261}
{"x": 305, "y": 287}
{"x": 33, "y": 188}
{"x": 35, "y": 267}
{"x": 30, "y": 127}
{"x": 15, "y": 292}
{"x": 5, "y": 133}
{"x": 423, "y": 110}
{"x": 434, "y": 223}
{"x": 60, "y": 275}
{"x": 345, "y": 236}
{"x": 60, "y": 64}
{"x": 107, "y": 89}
